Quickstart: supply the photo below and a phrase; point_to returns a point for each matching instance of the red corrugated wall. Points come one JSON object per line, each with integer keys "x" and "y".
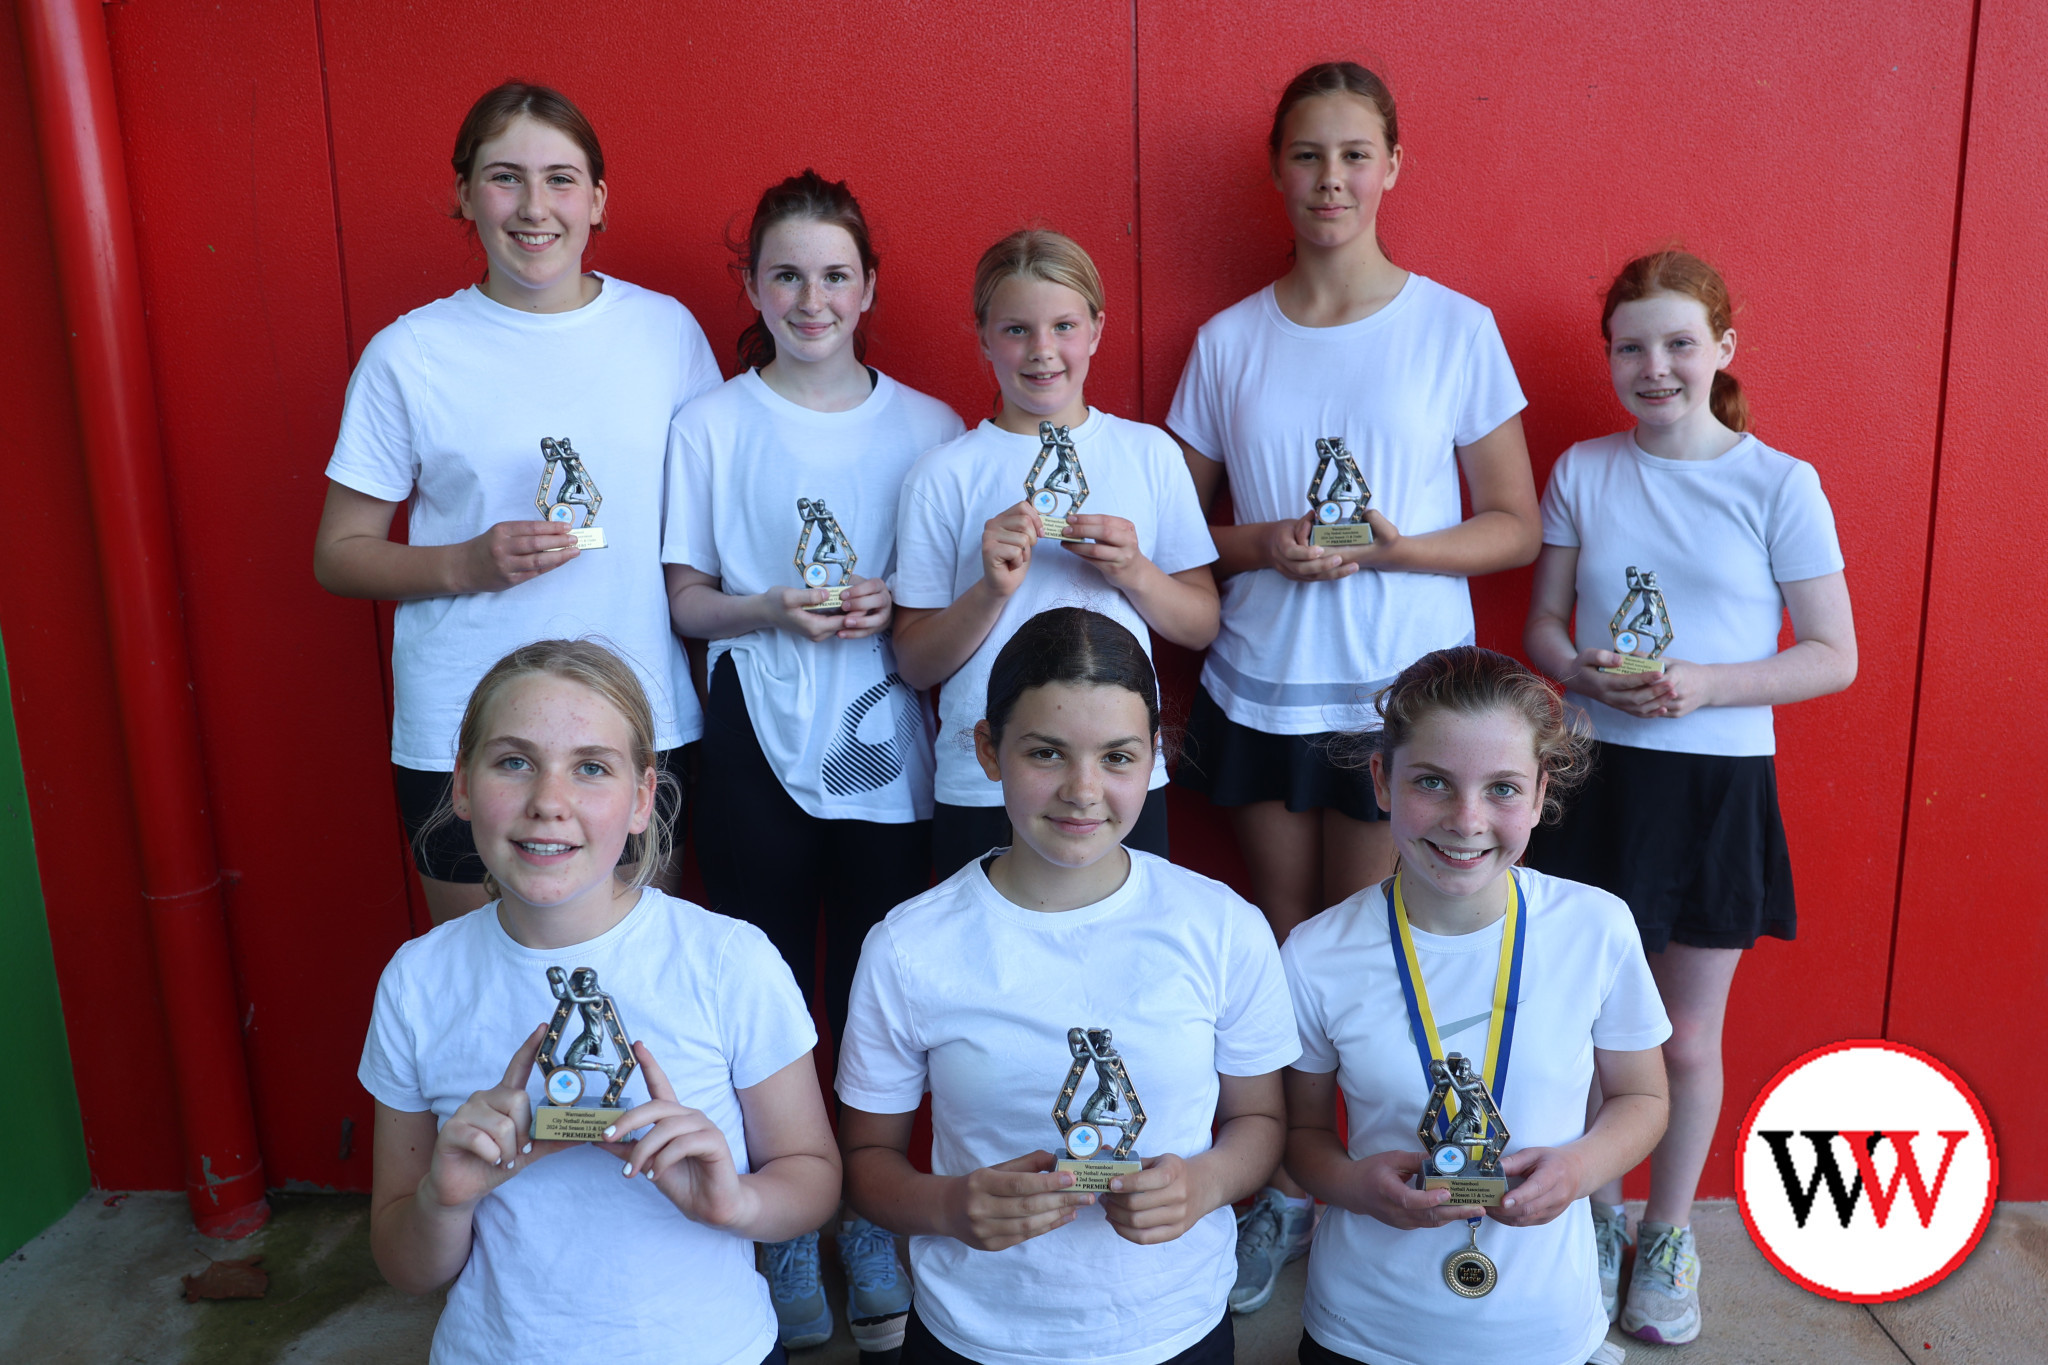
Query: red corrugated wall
{"x": 288, "y": 161}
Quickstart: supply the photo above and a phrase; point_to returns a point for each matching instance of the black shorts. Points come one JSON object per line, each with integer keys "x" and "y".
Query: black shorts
{"x": 448, "y": 853}
{"x": 960, "y": 834}
{"x": 1692, "y": 842}
{"x": 920, "y": 1347}
{"x": 1235, "y": 765}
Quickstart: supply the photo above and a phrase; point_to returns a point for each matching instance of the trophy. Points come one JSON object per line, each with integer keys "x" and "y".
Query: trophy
{"x": 1066, "y": 478}
{"x": 1113, "y": 1105}
{"x": 1339, "y": 509}
{"x": 558, "y": 1118}
{"x": 578, "y": 490}
{"x": 1642, "y": 642}
{"x": 816, "y": 562}
{"x": 1466, "y": 1161}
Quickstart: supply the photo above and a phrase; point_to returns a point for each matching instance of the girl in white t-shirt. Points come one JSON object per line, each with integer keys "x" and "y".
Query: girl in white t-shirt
{"x": 814, "y": 792}
{"x": 563, "y": 1246}
{"x": 1704, "y": 538}
{"x": 997, "y": 989}
{"x": 1414, "y": 381}
{"x": 1539, "y": 983}
{"x": 542, "y": 377}
{"x": 974, "y": 561}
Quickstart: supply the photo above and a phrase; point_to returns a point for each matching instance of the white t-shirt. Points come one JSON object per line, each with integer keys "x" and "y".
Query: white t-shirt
{"x": 1134, "y": 471}
{"x": 968, "y": 995}
{"x": 1404, "y": 388}
{"x": 1720, "y": 535}
{"x": 571, "y": 1260}
{"x": 447, "y": 408}
{"x": 1376, "y": 1292}
{"x": 846, "y": 735}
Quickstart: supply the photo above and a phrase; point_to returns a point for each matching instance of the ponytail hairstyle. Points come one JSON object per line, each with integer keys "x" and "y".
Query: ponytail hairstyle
{"x": 1070, "y": 645}
{"x": 1680, "y": 272}
{"x": 493, "y": 113}
{"x": 812, "y": 198}
{"x": 1334, "y": 78}
{"x": 603, "y": 672}
{"x": 1472, "y": 681}
{"x": 1036, "y": 254}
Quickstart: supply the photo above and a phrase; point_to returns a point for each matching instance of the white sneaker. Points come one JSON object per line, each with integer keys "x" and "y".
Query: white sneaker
{"x": 1610, "y": 1236}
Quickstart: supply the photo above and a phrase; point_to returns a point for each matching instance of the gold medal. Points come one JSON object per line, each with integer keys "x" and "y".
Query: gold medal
{"x": 1469, "y": 1272}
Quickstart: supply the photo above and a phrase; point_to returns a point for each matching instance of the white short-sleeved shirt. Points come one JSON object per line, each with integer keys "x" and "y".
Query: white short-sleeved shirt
{"x": 570, "y": 1259}
{"x": 1404, "y": 388}
{"x": 968, "y": 995}
{"x": 1376, "y": 1292}
{"x": 1135, "y": 471}
{"x": 447, "y": 408}
{"x": 1720, "y": 535}
{"x": 846, "y": 735}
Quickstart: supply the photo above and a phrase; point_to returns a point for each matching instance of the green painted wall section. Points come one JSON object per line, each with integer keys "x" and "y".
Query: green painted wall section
{"x": 42, "y": 1146}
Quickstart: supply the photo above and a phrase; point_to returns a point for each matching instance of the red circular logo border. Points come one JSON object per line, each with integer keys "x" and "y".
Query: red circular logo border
{"x": 1742, "y": 1191}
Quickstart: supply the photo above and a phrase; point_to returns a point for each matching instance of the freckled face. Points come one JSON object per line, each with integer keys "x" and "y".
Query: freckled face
{"x": 1663, "y": 357}
{"x": 1464, "y": 792}
{"x": 1075, "y": 763}
{"x": 810, "y": 288}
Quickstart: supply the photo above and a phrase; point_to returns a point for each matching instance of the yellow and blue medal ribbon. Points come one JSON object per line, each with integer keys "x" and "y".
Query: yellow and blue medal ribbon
{"x": 1507, "y": 991}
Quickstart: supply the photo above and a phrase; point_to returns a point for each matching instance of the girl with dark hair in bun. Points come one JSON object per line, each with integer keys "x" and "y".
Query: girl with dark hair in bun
{"x": 970, "y": 991}
{"x": 815, "y": 793}
{"x": 545, "y": 376}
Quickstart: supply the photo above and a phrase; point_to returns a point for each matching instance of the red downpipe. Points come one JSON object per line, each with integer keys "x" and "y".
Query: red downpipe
{"x": 71, "y": 88}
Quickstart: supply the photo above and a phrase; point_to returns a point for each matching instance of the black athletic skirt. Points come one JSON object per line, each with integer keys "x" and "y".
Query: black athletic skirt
{"x": 1235, "y": 765}
{"x": 1693, "y": 843}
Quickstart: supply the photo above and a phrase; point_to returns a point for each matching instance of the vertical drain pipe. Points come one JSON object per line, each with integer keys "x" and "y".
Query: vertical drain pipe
{"x": 71, "y": 88}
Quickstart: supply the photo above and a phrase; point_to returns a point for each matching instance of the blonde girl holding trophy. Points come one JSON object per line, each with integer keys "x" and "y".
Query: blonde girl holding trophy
{"x": 1348, "y": 356}
{"x": 997, "y": 989}
{"x": 514, "y": 419}
{"x": 1681, "y": 818}
{"x": 635, "y": 1248}
{"x": 1539, "y": 983}
{"x": 814, "y": 796}
{"x": 976, "y": 560}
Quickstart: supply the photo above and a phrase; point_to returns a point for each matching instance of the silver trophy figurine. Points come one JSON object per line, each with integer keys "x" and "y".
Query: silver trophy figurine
{"x": 1339, "y": 507}
{"x": 1066, "y": 480}
{"x": 1641, "y": 639}
{"x": 1114, "y": 1106}
{"x": 578, "y": 490}
{"x": 831, "y": 550}
{"x": 559, "y": 1119}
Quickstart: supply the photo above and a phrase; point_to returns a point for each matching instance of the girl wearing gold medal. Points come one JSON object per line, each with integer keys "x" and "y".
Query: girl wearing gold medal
{"x": 1536, "y": 982}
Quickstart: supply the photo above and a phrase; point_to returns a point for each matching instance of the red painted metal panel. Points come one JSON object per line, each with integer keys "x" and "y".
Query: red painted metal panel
{"x": 1972, "y": 955}
{"x": 1542, "y": 150}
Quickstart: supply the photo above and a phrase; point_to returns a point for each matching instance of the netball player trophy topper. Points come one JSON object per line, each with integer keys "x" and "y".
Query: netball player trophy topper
{"x": 558, "y": 1118}
{"x": 1642, "y": 642}
{"x": 1114, "y": 1105}
{"x": 1066, "y": 479}
{"x": 1466, "y": 1161}
{"x": 831, "y": 550}
{"x": 1339, "y": 509}
{"x": 578, "y": 490}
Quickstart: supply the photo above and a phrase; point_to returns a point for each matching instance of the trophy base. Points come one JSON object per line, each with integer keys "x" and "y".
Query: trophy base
{"x": 553, "y": 1123}
{"x": 1477, "y": 1191}
{"x": 1056, "y": 529}
{"x": 1094, "y": 1176}
{"x": 831, "y": 602}
{"x": 588, "y": 537}
{"x": 1338, "y": 537}
{"x": 1637, "y": 663}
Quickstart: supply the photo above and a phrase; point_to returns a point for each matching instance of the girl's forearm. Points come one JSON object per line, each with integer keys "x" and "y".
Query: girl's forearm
{"x": 1241, "y": 549}
{"x": 704, "y": 612}
{"x": 1549, "y": 643}
{"x": 1810, "y": 668}
{"x": 1246, "y": 1150}
{"x": 884, "y": 1188}
{"x": 1317, "y": 1160}
{"x": 420, "y": 1245}
{"x": 1486, "y": 542}
{"x": 385, "y": 571}
{"x": 932, "y": 646}
{"x": 1187, "y": 614}
{"x": 1624, "y": 1132}
{"x": 792, "y": 1195}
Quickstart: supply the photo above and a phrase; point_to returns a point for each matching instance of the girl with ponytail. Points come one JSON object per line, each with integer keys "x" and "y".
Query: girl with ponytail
{"x": 1705, "y": 537}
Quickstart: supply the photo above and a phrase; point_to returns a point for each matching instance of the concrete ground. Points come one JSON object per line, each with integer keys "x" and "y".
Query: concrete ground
{"x": 102, "y": 1287}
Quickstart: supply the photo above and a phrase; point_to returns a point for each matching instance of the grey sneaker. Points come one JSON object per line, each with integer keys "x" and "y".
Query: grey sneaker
{"x": 1664, "y": 1293}
{"x": 1269, "y": 1235}
{"x": 1610, "y": 1237}
{"x": 877, "y": 1290}
{"x": 802, "y": 1317}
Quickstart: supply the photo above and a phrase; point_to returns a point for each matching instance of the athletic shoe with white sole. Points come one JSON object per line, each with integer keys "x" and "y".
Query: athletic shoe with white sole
{"x": 877, "y": 1290}
{"x": 802, "y": 1317}
{"x": 1607, "y": 1353}
{"x": 1610, "y": 1237}
{"x": 1269, "y": 1235}
{"x": 1664, "y": 1293}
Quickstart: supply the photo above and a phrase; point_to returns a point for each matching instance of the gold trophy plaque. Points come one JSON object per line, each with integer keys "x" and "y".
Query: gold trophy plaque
{"x": 559, "y": 1118}
{"x": 1065, "y": 480}
{"x": 1641, "y": 642}
{"x": 1339, "y": 509}
{"x": 1114, "y": 1105}
{"x": 831, "y": 551}
{"x": 578, "y": 490}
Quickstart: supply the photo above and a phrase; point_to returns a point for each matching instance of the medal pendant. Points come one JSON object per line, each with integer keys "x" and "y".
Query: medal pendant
{"x": 1470, "y": 1273}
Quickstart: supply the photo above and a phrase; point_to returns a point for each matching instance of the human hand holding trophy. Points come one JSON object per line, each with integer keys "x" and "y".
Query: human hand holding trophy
{"x": 485, "y": 1142}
